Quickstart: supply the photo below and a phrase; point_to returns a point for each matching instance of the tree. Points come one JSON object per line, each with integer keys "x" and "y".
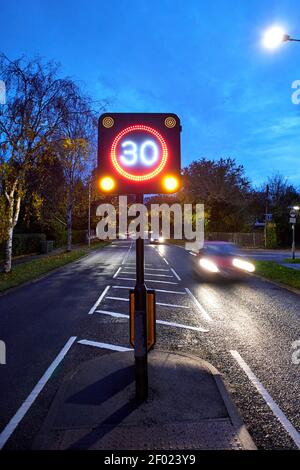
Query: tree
{"x": 74, "y": 150}
{"x": 36, "y": 106}
{"x": 221, "y": 185}
{"x": 282, "y": 195}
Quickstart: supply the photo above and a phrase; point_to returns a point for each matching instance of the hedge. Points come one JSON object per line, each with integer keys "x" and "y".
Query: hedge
{"x": 24, "y": 244}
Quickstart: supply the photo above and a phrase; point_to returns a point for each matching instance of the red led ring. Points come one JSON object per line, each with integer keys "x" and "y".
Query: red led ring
{"x": 148, "y": 176}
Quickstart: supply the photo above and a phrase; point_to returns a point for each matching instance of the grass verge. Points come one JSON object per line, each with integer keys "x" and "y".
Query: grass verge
{"x": 31, "y": 270}
{"x": 276, "y": 272}
{"x": 292, "y": 261}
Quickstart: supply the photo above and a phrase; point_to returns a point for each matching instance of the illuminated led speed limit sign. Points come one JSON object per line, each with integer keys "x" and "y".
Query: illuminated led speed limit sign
{"x": 139, "y": 153}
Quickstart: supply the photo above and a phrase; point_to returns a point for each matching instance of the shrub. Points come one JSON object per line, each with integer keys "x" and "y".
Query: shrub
{"x": 26, "y": 243}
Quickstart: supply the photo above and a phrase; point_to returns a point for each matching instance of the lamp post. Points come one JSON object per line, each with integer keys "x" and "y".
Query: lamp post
{"x": 89, "y": 216}
{"x": 275, "y": 36}
{"x": 293, "y": 214}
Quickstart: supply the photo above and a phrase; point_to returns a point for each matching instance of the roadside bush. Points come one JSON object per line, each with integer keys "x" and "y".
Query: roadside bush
{"x": 271, "y": 236}
{"x": 57, "y": 232}
{"x": 26, "y": 243}
{"x": 78, "y": 236}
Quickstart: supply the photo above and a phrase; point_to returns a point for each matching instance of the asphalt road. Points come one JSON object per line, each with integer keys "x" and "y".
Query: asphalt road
{"x": 246, "y": 330}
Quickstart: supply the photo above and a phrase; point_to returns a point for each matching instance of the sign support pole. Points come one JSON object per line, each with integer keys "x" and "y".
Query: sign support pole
{"x": 293, "y": 243}
{"x": 140, "y": 321}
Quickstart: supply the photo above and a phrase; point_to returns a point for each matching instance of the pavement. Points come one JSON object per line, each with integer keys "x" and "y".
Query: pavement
{"x": 188, "y": 408}
{"x": 249, "y": 331}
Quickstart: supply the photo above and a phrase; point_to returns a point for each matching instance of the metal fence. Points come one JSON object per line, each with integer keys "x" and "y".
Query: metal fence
{"x": 253, "y": 239}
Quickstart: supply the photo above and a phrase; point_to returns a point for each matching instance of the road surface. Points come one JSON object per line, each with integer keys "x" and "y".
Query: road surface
{"x": 246, "y": 330}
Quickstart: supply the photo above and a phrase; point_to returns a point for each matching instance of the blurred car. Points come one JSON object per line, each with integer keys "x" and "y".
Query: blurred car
{"x": 221, "y": 260}
{"x": 155, "y": 240}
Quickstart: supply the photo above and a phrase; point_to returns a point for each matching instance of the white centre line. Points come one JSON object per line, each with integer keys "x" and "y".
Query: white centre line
{"x": 127, "y": 254}
{"x": 295, "y": 435}
{"x": 156, "y": 290}
{"x": 199, "y": 306}
{"x": 116, "y": 273}
{"x": 112, "y": 347}
{"x": 160, "y": 322}
{"x": 16, "y": 419}
{"x": 99, "y": 300}
{"x": 175, "y": 274}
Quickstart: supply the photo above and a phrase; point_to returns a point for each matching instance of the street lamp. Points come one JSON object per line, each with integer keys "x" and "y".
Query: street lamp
{"x": 275, "y": 36}
{"x": 293, "y": 219}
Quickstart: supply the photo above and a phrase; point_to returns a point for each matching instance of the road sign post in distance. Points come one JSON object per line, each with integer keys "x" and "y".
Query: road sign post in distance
{"x": 139, "y": 153}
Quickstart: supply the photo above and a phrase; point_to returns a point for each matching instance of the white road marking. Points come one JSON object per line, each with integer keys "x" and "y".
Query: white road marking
{"x": 112, "y": 314}
{"x": 170, "y": 291}
{"x": 127, "y": 254}
{"x": 156, "y": 269}
{"x": 186, "y": 327}
{"x": 191, "y": 253}
{"x": 165, "y": 260}
{"x": 295, "y": 435}
{"x": 199, "y": 306}
{"x": 156, "y": 290}
{"x": 175, "y": 274}
{"x": 151, "y": 274}
{"x": 148, "y": 280}
{"x": 16, "y": 419}
{"x": 172, "y": 305}
{"x": 116, "y": 273}
{"x": 99, "y": 300}
{"x": 148, "y": 269}
{"x": 123, "y": 299}
{"x": 112, "y": 347}
{"x": 160, "y": 322}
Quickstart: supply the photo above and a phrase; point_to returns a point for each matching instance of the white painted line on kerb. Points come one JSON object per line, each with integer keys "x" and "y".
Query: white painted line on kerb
{"x": 123, "y": 299}
{"x": 199, "y": 306}
{"x": 295, "y": 435}
{"x": 112, "y": 347}
{"x": 148, "y": 280}
{"x": 160, "y": 322}
{"x": 99, "y": 300}
{"x": 16, "y": 419}
{"x": 156, "y": 290}
{"x": 116, "y": 273}
{"x": 175, "y": 274}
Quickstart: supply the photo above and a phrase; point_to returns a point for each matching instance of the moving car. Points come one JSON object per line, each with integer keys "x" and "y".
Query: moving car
{"x": 155, "y": 240}
{"x": 221, "y": 260}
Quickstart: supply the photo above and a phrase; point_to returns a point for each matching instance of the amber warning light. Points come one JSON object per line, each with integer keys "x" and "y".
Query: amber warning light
{"x": 139, "y": 153}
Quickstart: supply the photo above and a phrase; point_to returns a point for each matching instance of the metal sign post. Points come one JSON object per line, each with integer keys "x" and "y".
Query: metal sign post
{"x": 293, "y": 220}
{"x": 293, "y": 243}
{"x": 140, "y": 321}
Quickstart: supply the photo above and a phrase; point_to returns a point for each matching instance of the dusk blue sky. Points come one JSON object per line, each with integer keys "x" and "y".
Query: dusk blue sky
{"x": 200, "y": 59}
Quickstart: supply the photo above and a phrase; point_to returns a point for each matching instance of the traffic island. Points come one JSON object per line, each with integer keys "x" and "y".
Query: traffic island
{"x": 188, "y": 408}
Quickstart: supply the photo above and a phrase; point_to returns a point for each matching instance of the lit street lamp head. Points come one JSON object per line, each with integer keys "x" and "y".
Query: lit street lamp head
{"x": 274, "y": 36}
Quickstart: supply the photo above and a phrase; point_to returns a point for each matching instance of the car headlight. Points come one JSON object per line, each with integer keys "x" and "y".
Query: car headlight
{"x": 209, "y": 265}
{"x": 161, "y": 239}
{"x": 244, "y": 265}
